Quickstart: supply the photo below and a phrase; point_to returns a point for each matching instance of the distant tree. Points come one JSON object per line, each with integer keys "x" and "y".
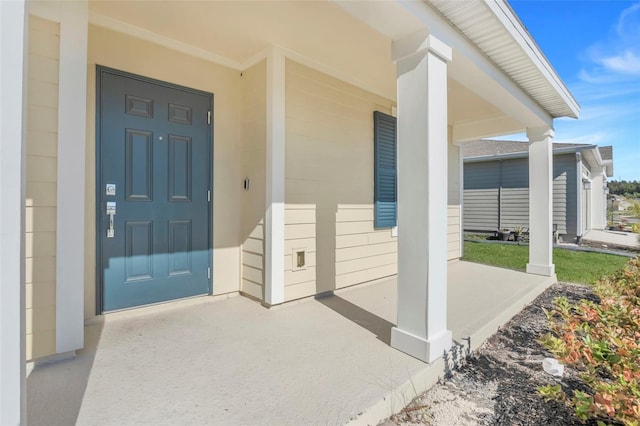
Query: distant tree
{"x": 623, "y": 187}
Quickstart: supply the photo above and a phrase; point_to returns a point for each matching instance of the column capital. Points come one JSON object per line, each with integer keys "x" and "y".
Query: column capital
{"x": 419, "y": 44}
{"x": 539, "y": 133}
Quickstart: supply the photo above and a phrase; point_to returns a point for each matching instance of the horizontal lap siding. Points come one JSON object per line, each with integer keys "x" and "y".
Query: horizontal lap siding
{"x": 454, "y": 212}
{"x": 514, "y": 195}
{"x": 514, "y": 201}
{"x": 41, "y": 198}
{"x": 254, "y": 168}
{"x": 496, "y": 194}
{"x": 565, "y": 197}
{"x": 481, "y": 182}
{"x": 371, "y": 254}
{"x": 453, "y": 232}
{"x": 299, "y": 235}
{"x": 329, "y": 185}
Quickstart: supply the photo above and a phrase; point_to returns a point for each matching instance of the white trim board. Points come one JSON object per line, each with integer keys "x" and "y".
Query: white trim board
{"x": 187, "y": 49}
{"x": 13, "y": 99}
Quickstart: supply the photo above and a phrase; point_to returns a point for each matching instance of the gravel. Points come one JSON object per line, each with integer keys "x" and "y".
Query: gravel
{"x": 497, "y": 383}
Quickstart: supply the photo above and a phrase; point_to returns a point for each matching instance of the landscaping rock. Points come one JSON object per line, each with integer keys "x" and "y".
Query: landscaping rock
{"x": 498, "y": 383}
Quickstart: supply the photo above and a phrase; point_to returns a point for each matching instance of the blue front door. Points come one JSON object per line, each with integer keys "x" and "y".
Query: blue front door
{"x": 154, "y": 174}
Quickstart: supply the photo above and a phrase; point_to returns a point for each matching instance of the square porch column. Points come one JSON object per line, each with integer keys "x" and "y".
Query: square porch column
{"x": 598, "y": 198}
{"x": 70, "y": 244}
{"x": 421, "y": 330}
{"x": 13, "y": 45}
{"x": 540, "y": 201}
{"x": 274, "y": 216}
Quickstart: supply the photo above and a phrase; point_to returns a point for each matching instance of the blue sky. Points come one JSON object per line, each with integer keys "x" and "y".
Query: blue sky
{"x": 595, "y": 48}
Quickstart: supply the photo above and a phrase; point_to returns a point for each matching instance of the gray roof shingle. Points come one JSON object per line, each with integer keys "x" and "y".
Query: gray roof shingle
{"x": 483, "y": 148}
{"x": 606, "y": 152}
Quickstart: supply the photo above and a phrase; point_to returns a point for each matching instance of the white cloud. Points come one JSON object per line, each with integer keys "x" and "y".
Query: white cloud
{"x": 629, "y": 23}
{"x": 627, "y": 63}
{"x": 619, "y": 56}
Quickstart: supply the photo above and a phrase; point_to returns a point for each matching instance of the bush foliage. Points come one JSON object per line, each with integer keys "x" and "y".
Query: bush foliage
{"x": 602, "y": 341}
{"x": 624, "y": 187}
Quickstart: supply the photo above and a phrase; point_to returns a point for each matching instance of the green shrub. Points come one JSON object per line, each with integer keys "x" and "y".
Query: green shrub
{"x": 602, "y": 341}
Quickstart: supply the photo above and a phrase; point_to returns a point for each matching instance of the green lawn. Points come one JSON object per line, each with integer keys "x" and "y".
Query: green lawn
{"x": 571, "y": 266}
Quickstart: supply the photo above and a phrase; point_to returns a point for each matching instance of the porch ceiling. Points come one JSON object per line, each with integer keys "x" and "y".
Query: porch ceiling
{"x": 236, "y": 33}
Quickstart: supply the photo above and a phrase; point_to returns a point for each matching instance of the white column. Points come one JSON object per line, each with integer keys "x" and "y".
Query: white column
{"x": 598, "y": 198}
{"x": 13, "y": 71}
{"x": 579, "y": 194}
{"x": 71, "y": 176}
{"x": 274, "y": 218}
{"x": 421, "y": 62}
{"x": 540, "y": 201}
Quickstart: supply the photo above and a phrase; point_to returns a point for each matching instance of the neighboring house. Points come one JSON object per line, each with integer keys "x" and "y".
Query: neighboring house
{"x": 496, "y": 186}
{"x": 155, "y": 151}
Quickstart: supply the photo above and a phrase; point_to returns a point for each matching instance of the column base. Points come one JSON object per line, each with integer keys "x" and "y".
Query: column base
{"x": 546, "y": 270}
{"x": 424, "y": 350}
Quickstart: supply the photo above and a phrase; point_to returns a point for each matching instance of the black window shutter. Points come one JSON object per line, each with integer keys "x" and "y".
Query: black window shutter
{"x": 385, "y": 176}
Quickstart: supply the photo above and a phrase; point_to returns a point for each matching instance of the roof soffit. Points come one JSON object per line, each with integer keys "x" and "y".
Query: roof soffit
{"x": 497, "y": 32}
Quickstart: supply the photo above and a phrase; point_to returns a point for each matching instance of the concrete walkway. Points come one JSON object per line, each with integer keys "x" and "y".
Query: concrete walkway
{"x": 614, "y": 238}
{"x": 233, "y": 362}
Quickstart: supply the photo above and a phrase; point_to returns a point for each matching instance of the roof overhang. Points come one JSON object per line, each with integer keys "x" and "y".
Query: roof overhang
{"x": 488, "y": 39}
{"x": 496, "y": 30}
{"x": 594, "y": 158}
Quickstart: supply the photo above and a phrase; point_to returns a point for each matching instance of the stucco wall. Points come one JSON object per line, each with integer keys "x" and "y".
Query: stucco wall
{"x": 252, "y": 150}
{"x": 329, "y": 185}
{"x": 40, "y": 212}
{"x": 125, "y": 53}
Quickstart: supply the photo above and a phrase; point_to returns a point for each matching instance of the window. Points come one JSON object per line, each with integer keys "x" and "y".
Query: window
{"x": 385, "y": 175}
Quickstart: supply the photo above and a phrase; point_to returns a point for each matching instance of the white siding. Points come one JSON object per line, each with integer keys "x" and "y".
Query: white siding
{"x": 254, "y": 168}
{"x": 454, "y": 212}
{"x": 40, "y": 214}
{"x": 329, "y": 185}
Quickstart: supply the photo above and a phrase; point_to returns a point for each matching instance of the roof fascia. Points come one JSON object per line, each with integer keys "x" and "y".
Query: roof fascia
{"x": 441, "y": 28}
{"x": 512, "y": 23}
{"x": 608, "y": 164}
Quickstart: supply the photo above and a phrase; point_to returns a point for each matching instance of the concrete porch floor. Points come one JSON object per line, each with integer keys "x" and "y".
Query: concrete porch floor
{"x": 233, "y": 362}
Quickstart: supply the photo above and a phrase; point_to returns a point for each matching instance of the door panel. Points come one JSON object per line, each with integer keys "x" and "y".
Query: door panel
{"x": 154, "y": 146}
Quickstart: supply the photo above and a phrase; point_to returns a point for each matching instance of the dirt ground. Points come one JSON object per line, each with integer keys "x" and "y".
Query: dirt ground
{"x": 497, "y": 384}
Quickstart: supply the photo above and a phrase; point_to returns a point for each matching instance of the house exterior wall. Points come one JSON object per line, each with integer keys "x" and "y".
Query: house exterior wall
{"x": 481, "y": 196}
{"x": 514, "y": 193}
{"x": 454, "y": 212}
{"x": 329, "y": 185}
{"x": 329, "y": 175}
{"x": 565, "y": 195}
{"x": 253, "y": 156}
{"x": 584, "y": 173}
{"x": 116, "y": 50}
{"x": 41, "y": 200}
{"x": 496, "y": 195}
{"x": 598, "y": 199}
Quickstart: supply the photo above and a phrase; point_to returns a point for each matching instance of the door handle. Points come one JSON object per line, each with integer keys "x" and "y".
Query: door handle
{"x": 111, "y": 212}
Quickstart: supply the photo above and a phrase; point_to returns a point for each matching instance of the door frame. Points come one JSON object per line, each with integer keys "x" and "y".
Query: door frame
{"x": 100, "y": 71}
